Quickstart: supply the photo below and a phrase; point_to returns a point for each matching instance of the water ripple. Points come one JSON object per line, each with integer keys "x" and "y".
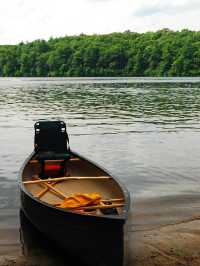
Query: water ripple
{"x": 146, "y": 122}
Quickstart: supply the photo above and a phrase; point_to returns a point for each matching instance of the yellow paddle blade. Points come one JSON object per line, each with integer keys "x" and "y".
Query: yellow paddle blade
{"x": 81, "y": 200}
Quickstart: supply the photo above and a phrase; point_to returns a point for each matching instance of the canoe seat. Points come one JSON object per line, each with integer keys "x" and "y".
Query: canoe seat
{"x": 51, "y": 136}
{"x": 51, "y": 143}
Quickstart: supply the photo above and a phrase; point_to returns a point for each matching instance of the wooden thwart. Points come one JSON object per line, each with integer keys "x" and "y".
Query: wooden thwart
{"x": 48, "y": 161}
{"x": 54, "y": 161}
{"x": 66, "y": 178}
{"x": 112, "y": 200}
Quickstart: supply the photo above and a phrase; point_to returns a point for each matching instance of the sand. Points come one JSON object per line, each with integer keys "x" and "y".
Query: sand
{"x": 174, "y": 245}
{"x": 165, "y": 231}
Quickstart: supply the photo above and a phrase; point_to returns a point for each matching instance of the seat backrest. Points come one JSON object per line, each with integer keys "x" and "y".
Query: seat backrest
{"x": 51, "y": 136}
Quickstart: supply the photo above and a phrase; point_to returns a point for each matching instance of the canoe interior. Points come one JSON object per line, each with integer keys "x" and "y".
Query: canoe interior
{"x": 75, "y": 167}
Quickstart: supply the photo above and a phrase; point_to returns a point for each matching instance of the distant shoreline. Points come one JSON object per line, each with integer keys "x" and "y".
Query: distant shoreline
{"x": 185, "y": 81}
{"x": 164, "y": 53}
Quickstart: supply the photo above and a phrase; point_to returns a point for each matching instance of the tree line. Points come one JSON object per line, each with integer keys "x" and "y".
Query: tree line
{"x": 161, "y": 53}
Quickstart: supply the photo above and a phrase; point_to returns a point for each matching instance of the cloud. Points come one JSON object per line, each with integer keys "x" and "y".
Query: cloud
{"x": 42, "y": 19}
{"x": 166, "y": 7}
{"x": 101, "y": 1}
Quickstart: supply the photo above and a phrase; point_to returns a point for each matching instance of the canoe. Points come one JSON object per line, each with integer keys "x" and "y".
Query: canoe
{"x": 91, "y": 224}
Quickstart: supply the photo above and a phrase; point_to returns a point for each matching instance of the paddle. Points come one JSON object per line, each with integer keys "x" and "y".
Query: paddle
{"x": 99, "y": 207}
{"x": 60, "y": 194}
{"x": 41, "y": 193}
{"x": 48, "y": 186}
{"x": 66, "y": 178}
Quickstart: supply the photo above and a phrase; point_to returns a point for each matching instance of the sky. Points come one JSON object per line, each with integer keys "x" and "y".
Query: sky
{"x": 27, "y": 20}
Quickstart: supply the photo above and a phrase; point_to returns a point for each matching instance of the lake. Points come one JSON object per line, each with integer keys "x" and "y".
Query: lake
{"x": 145, "y": 131}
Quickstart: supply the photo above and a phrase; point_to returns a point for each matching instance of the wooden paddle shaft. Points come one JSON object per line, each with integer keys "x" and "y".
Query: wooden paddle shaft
{"x": 56, "y": 190}
{"x": 41, "y": 193}
{"x": 103, "y": 201}
{"x": 111, "y": 200}
{"x": 100, "y": 207}
{"x": 66, "y": 178}
{"x": 46, "y": 188}
{"x": 52, "y": 189}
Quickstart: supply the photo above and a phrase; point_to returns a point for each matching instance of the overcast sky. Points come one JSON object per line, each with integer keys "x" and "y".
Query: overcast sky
{"x": 26, "y": 20}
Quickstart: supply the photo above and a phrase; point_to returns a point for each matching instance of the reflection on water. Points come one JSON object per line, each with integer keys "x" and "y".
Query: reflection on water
{"x": 144, "y": 131}
{"x": 92, "y": 109}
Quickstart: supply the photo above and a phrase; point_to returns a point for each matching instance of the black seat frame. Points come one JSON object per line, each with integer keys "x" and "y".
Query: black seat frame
{"x": 51, "y": 143}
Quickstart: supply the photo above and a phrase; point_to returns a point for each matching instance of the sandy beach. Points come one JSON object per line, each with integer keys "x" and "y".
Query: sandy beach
{"x": 173, "y": 245}
{"x": 165, "y": 232}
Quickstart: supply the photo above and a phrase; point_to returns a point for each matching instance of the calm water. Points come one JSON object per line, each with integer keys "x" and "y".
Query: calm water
{"x": 145, "y": 131}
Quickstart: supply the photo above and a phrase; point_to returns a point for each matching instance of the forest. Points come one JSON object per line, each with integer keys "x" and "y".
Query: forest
{"x": 163, "y": 53}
